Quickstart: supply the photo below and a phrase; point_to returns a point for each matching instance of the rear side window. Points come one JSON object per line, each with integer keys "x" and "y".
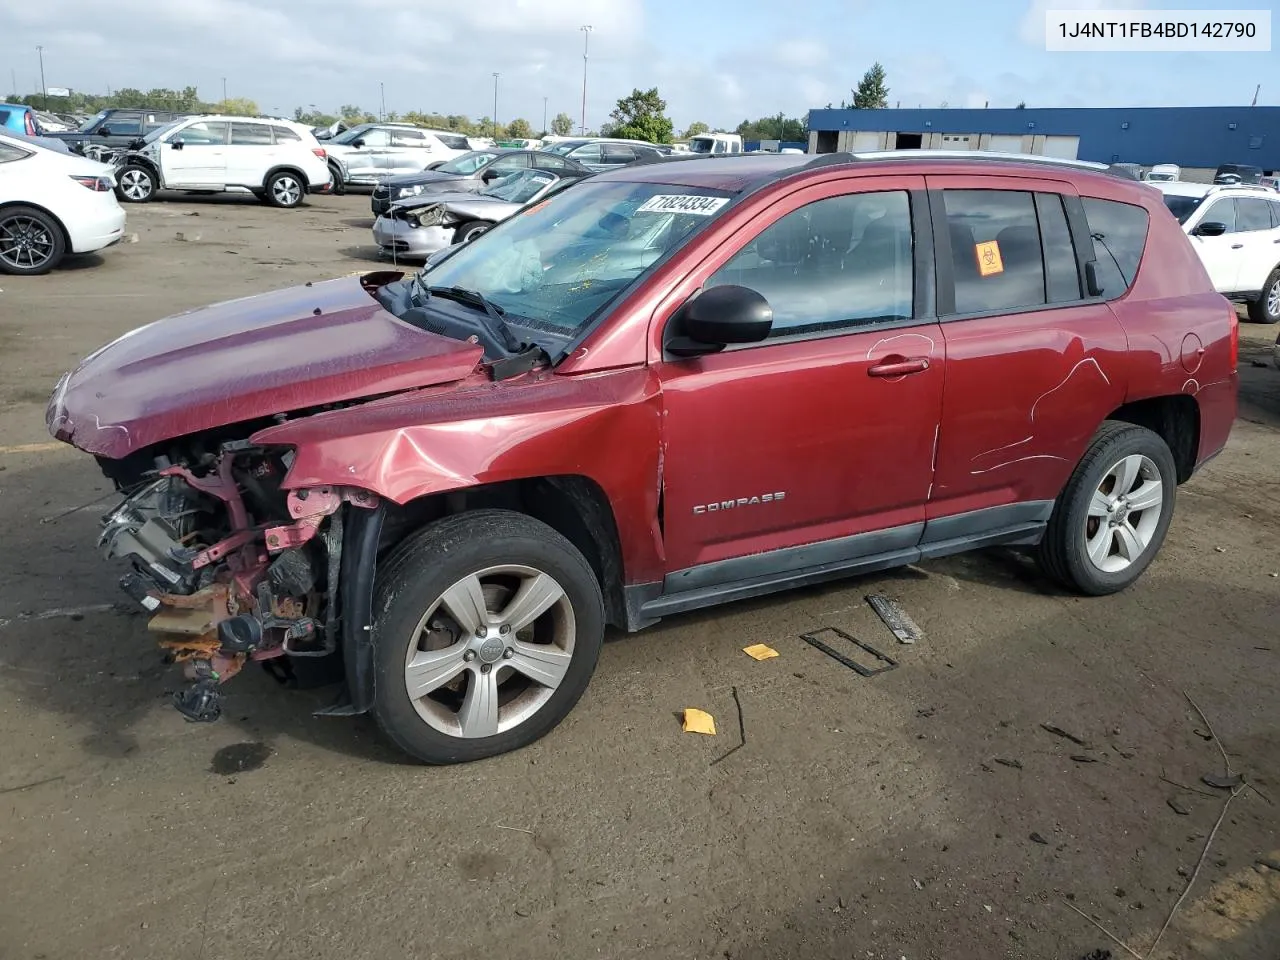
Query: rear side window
{"x": 453, "y": 142}
{"x": 123, "y": 125}
{"x": 250, "y": 135}
{"x": 1119, "y": 232}
{"x": 843, "y": 262}
{"x": 995, "y": 249}
{"x": 1253, "y": 214}
{"x": 1275, "y": 213}
{"x": 9, "y": 153}
{"x": 285, "y": 135}
{"x": 407, "y": 138}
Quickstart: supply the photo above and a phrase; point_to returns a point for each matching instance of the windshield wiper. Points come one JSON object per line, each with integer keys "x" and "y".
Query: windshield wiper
{"x": 496, "y": 325}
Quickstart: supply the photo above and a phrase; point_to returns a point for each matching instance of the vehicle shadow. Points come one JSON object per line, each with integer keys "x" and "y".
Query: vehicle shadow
{"x": 369, "y": 254}
{"x": 362, "y": 223}
{"x": 80, "y": 261}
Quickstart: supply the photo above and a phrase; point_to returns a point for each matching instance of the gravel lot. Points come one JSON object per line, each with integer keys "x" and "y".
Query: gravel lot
{"x": 921, "y": 813}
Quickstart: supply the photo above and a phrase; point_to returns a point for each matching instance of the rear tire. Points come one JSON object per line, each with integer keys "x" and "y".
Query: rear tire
{"x": 339, "y": 185}
{"x": 285, "y": 189}
{"x": 31, "y": 241}
{"x": 1266, "y": 309}
{"x": 503, "y": 681}
{"x": 137, "y": 183}
{"x": 1111, "y": 518}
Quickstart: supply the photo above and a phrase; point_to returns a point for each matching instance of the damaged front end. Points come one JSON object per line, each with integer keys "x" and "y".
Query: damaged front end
{"x": 233, "y": 568}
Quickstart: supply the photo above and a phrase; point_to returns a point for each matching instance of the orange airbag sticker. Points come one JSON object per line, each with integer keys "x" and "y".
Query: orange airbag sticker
{"x": 989, "y": 261}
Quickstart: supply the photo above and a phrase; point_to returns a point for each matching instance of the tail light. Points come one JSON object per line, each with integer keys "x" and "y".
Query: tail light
{"x": 96, "y": 184}
{"x": 1235, "y": 339}
{"x": 30, "y": 124}
{"x": 319, "y": 152}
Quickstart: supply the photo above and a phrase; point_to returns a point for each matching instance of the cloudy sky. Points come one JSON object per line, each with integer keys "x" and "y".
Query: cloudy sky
{"x": 719, "y": 61}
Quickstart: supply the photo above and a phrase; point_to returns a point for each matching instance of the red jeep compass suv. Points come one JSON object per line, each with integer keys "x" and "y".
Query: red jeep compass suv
{"x": 670, "y": 386}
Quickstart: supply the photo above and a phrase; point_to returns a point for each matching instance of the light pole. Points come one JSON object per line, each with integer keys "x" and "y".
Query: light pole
{"x": 544, "y": 114}
{"x": 586, "y": 45}
{"x": 495, "y": 105}
{"x": 44, "y": 90}
{"x": 382, "y": 100}
{"x": 224, "y": 89}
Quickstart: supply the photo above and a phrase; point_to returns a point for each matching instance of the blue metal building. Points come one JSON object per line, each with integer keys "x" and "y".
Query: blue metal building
{"x": 1192, "y": 137}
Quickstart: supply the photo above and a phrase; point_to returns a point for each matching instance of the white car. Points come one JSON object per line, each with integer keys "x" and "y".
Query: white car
{"x": 366, "y": 153}
{"x": 52, "y": 204}
{"x": 1163, "y": 173}
{"x": 1236, "y": 231}
{"x": 278, "y": 161}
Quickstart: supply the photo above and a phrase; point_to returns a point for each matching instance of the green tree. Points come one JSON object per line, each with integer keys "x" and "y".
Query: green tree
{"x": 521, "y": 128}
{"x": 236, "y": 107}
{"x": 642, "y": 116}
{"x": 695, "y": 128}
{"x": 351, "y": 114}
{"x": 1022, "y": 105}
{"x": 780, "y": 127}
{"x": 562, "y": 125}
{"x": 871, "y": 94}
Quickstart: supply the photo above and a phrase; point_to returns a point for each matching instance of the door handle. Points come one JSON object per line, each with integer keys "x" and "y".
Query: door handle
{"x": 1276, "y": 240}
{"x": 896, "y": 366}
{"x": 1236, "y": 246}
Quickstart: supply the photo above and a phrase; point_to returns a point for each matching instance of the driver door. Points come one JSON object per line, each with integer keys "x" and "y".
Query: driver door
{"x": 196, "y": 155}
{"x": 1221, "y": 255}
{"x": 814, "y": 447}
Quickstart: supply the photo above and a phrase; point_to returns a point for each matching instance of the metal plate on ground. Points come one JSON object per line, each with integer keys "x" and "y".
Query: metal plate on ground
{"x": 895, "y": 618}
{"x": 886, "y": 662}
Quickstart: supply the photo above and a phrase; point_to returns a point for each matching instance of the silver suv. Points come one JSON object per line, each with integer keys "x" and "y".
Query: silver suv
{"x": 366, "y": 153}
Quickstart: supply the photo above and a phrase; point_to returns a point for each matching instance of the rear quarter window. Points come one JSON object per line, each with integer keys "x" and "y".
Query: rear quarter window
{"x": 453, "y": 142}
{"x": 285, "y": 135}
{"x": 1119, "y": 233}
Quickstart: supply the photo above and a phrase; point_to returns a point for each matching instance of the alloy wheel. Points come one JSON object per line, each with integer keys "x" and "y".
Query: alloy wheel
{"x": 135, "y": 185}
{"x": 491, "y": 651}
{"x": 286, "y": 191}
{"x": 1124, "y": 513}
{"x": 26, "y": 243}
{"x": 1273, "y": 300}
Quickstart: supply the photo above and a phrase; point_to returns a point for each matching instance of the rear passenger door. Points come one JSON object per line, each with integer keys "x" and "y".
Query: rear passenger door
{"x": 407, "y": 153}
{"x": 1261, "y": 241}
{"x": 1034, "y": 363}
{"x": 250, "y": 154}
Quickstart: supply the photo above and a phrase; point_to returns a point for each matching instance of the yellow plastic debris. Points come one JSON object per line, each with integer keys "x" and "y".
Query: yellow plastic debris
{"x": 699, "y": 721}
{"x": 760, "y": 651}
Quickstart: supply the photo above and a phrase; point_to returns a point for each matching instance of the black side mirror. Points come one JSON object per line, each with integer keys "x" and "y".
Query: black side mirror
{"x": 176, "y": 144}
{"x": 718, "y": 317}
{"x": 1211, "y": 229}
{"x": 104, "y": 131}
{"x": 357, "y": 144}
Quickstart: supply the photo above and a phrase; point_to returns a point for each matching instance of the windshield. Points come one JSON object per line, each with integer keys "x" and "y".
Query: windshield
{"x": 346, "y": 136}
{"x": 554, "y": 267}
{"x": 92, "y": 121}
{"x": 563, "y": 148}
{"x": 159, "y": 132}
{"x": 467, "y": 163}
{"x": 520, "y": 187}
{"x": 701, "y": 145}
{"x": 1182, "y": 207}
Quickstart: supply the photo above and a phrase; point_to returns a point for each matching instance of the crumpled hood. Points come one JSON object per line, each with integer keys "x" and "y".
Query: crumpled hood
{"x": 476, "y": 200}
{"x": 244, "y": 359}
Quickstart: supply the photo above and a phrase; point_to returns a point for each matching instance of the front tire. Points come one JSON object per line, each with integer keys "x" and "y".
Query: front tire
{"x": 339, "y": 185}
{"x": 1266, "y": 309}
{"x": 1111, "y": 518}
{"x": 284, "y": 189}
{"x": 31, "y": 241}
{"x": 137, "y": 183}
{"x": 469, "y": 231}
{"x": 487, "y": 628}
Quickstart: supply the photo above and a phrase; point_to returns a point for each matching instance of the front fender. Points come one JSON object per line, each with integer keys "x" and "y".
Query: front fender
{"x": 604, "y": 426}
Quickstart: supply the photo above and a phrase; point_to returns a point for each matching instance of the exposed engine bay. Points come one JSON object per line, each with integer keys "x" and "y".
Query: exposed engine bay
{"x": 231, "y": 567}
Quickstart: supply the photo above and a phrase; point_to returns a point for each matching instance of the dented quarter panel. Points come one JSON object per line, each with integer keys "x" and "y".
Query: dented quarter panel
{"x": 602, "y": 426}
{"x": 248, "y": 358}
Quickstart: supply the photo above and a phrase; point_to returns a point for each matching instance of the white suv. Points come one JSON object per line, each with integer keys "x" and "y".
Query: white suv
{"x": 277, "y": 160}
{"x": 1236, "y": 231}
{"x": 367, "y": 153}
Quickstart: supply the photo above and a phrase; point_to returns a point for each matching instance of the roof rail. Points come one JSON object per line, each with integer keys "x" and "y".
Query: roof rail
{"x": 978, "y": 155}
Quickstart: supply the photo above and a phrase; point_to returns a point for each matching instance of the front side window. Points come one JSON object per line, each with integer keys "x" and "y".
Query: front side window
{"x": 375, "y": 138}
{"x": 557, "y": 265}
{"x": 1253, "y": 214}
{"x": 250, "y": 135}
{"x": 204, "y": 133}
{"x": 1119, "y": 232}
{"x": 837, "y": 263}
{"x": 996, "y": 255}
{"x": 1223, "y": 212}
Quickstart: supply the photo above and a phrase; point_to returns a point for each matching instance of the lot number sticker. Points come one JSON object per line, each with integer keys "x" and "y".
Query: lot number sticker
{"x": 698, "y": 206}
{"x": 989, "y": 261}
